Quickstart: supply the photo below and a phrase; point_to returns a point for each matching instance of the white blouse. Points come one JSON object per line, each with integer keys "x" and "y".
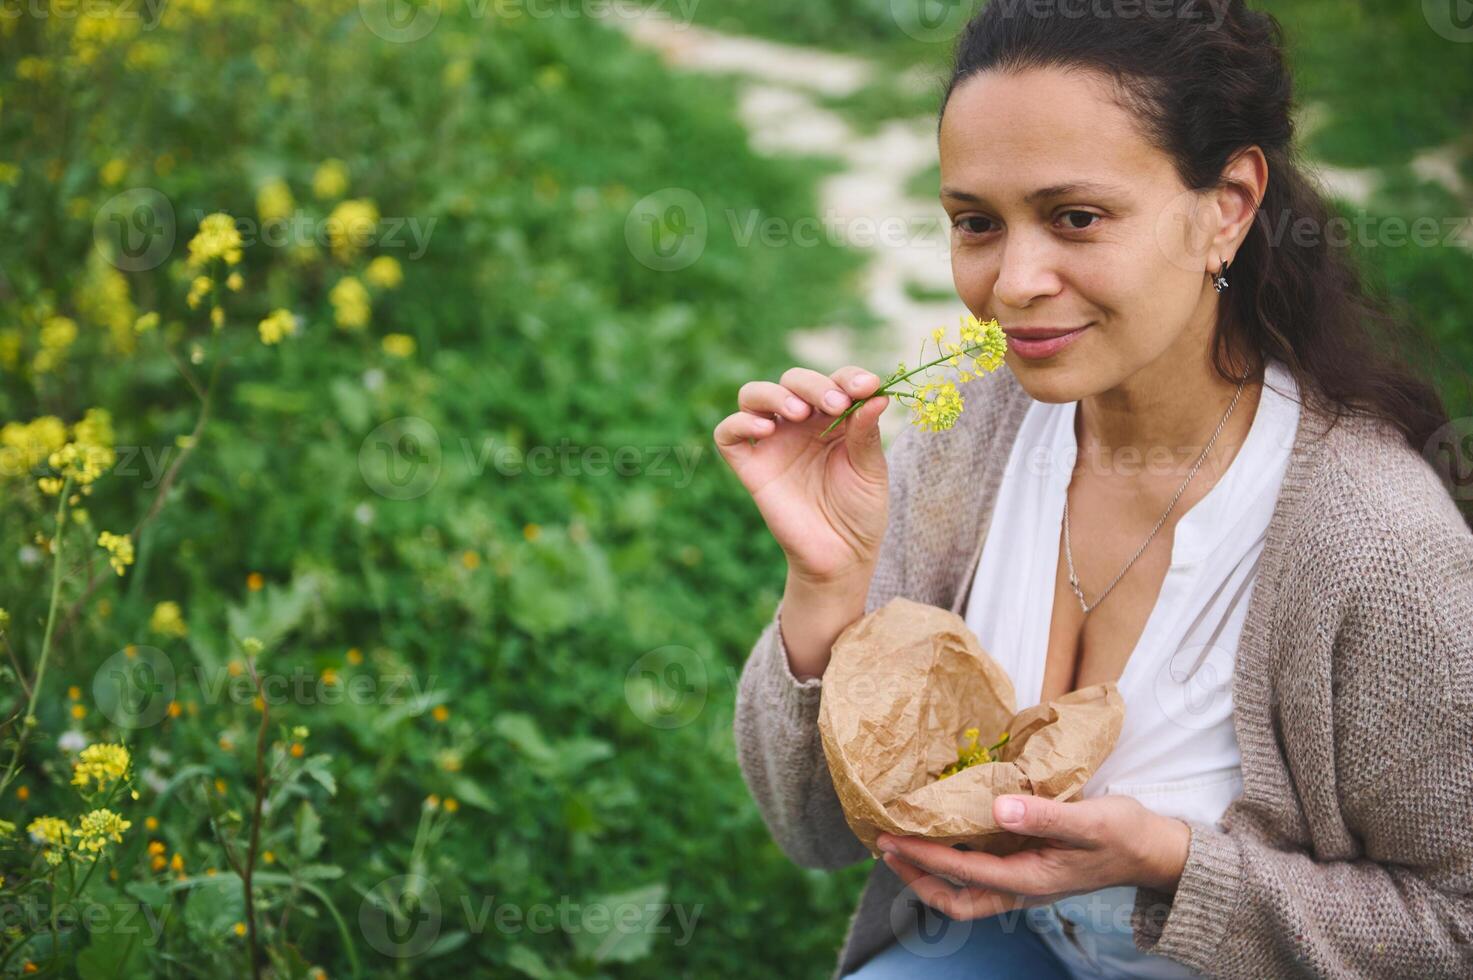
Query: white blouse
{"x": 1177, "y": 752}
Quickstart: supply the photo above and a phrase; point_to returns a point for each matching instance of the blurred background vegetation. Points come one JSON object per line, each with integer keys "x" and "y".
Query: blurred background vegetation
{"x": 510, "y": 741}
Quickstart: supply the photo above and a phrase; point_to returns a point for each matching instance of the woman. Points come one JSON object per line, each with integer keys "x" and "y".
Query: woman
{"x": 1209, "y": 488}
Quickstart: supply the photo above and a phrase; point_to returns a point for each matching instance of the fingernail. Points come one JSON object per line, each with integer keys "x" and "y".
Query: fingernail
{"x": 796, "y": 405}
{"x": 865, "y": 381}
{"x": 1010, "y": 811}
{"x": 886, "y": 845}
{"x": 835, "y": 401}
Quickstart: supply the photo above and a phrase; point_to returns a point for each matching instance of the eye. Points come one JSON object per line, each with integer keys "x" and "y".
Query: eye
{"x": 968, "y": 225}
{"x": 1076, "y": 214}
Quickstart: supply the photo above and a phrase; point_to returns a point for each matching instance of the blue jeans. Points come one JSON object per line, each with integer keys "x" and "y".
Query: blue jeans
{"x": 1002, "y": 947}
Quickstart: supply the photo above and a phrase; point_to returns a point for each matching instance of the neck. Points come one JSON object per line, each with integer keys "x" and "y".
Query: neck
{"x": 1162, "y": 417}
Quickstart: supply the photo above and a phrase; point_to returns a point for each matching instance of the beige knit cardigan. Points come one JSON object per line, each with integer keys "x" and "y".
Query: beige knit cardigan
{"x": 1350, "y": 851}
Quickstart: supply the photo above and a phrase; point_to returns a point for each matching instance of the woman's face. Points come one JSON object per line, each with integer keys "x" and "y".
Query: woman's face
{"x": 1123, "y": 248}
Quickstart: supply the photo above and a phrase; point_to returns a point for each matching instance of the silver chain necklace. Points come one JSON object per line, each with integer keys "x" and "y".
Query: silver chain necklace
{"x": 1069, "y": 552}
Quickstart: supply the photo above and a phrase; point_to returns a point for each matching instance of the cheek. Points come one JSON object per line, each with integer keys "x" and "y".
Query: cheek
{"x": 973, "y": 272}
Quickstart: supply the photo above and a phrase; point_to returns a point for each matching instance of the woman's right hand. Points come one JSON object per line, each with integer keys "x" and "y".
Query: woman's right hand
{"x": 825, "y": 499}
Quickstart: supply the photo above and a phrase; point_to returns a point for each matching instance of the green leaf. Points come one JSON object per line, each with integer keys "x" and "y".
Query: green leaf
{"x": 317, "y": 767}
{"x": 522, "y": 732}
{"x": 468, "y": 791}
{"x": 309, "y": 830}
{"x": 214, "y": 906}
{"x": 446, "y": 943}
{"x": 116, "y": 952}
{"x": 526, "y": 960}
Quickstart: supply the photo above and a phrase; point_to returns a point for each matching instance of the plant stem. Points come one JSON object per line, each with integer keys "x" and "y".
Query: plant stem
{"x": 250, "y": 861}
{"x": 25, "y": 721}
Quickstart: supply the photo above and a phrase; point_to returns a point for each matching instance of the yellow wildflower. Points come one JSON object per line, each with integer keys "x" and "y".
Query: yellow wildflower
{"x": 351, "y": 226}
{"x": 972, "y": 754}
{"x": 119, "y": 549}
{"x": 217, "y": 238}
{"x": 199, "y": 288}
{"x": 274, "y": 201}
{"x": 146, "y": 322}
{"x": 49, "y": 831}
{"x": 98, "y": 827}
{"x": 384, "y": 272}
{"x": 331, "y": 180}
{"x": 103, "y": 762}
{"x": 398, "y": 345}
{"x": 167, "y": 620}
{"x": 351, "y": 307}
{"x": 936, "y": 406}
{"x": 113, "y": 171}
{"x": 234, "y": 282}
{"x": 281, "y": 323}
{"x": 83, "y": 462}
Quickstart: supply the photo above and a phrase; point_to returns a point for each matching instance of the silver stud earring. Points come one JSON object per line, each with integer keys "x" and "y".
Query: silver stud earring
{"x": 1219, "y": 282}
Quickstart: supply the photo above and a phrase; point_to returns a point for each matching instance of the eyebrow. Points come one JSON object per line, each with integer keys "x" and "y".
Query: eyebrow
{"x": 1042, "y": 193}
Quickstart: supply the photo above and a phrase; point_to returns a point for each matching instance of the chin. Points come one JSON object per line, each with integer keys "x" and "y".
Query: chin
{"x": 1049, "y": 382}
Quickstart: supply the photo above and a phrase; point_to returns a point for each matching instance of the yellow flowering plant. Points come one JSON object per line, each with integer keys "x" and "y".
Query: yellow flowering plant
{"x": 936, "y": 405}
{"x": 973, "y": 754}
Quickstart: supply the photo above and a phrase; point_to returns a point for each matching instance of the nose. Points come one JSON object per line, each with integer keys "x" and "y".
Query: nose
{"x": 1026, "y": 272}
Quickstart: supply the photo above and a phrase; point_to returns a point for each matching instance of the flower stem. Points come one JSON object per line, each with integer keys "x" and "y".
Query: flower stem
{"x": 25, "y": 721}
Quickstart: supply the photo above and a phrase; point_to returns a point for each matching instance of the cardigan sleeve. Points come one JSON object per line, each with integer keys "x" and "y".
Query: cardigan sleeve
{"x": 1402, "y": 681}
{"x": 776, "y": 718}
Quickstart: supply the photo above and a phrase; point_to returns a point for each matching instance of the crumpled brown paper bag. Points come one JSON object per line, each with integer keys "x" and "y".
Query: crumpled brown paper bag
{"x": 902, "y": 686}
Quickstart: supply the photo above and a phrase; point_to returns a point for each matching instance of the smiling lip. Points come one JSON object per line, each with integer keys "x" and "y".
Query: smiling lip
{"x": 1036, "y": 343}
{"x": 1039, "y": 333}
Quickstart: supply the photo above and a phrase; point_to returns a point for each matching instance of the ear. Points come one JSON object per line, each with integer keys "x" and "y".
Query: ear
{"x": 1244, "y": 182}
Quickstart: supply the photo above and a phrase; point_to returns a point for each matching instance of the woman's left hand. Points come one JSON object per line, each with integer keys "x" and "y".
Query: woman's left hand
{"x": 1091, "y": 844}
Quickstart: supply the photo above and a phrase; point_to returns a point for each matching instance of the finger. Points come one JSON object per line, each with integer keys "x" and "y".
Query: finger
{"x": 956, "y": 903}
{"x": 816, "y": 389}
{"x": 769, "y": 398}
{"x": 856, "y": 381}
{"x": 1073, "y": 823}
{"x": 732, "y": 432}
{"x": 1015, "y": 873}
{"x": 862, "y": 438}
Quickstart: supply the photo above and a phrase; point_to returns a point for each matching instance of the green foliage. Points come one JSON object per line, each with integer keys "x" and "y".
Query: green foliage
{"x": 487, "y": 623}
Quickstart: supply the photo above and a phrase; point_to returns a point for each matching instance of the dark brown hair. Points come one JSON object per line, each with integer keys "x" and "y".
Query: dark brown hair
{"x": 1207, "y": 79}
